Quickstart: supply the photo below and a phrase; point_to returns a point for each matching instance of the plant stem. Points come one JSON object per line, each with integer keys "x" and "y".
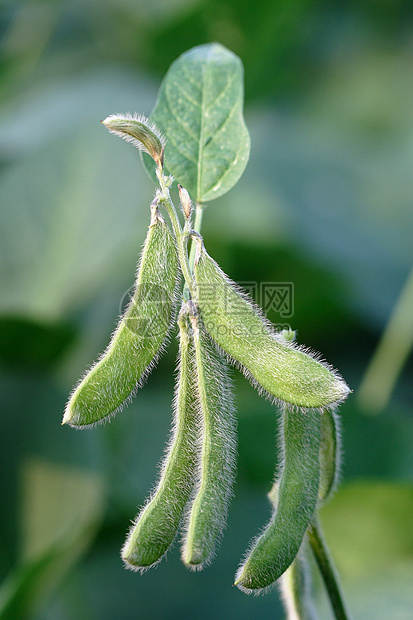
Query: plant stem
{"x": 328, "y": 572}
{"x": 197, "y": 228}
{"x": 180, "y": 235}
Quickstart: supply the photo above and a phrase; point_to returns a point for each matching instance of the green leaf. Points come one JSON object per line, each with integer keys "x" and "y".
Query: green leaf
{"x": 62, "y": 242}
{"x": 200, "y": 111}
{"x": 366, "y": 526}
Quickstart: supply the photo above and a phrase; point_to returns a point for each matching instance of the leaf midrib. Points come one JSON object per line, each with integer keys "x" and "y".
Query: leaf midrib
{"x": 202, "y": 128}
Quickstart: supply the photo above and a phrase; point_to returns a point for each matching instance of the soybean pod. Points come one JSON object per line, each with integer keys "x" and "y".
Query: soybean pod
{"x": 330, "y": 451}
{"x": 140, "y": 336}
{"x": 207, "y": 514}
{"x": 295, "y": 582}
{"x": 276, "y": 548}
{"x": 156, "y": 526}
{"x": 282, "y": 369}
{"x": 295, "y": 589}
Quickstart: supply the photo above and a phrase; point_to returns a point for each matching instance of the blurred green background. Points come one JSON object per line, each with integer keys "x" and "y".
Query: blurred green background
{"x": 325, "y": 203}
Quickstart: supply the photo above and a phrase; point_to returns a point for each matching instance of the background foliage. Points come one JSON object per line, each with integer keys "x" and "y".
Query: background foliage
{"x": 325, "y": 203}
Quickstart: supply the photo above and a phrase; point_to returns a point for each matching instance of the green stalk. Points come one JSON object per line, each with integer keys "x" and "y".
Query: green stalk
{"x": 181, "y": 236}
{"x": 327, "y": 570}
{"x": 196, "y": 228}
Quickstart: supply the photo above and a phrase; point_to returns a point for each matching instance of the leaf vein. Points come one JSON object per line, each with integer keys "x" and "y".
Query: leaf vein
{"x": 228, "y": 170}
{"x": 188, "y": 98}
{"x": 179, "y": 120}
{"x": 202, "y": 128}
{"x": 221, "y": 92}
{"x": 179, "y": 150}
{"x": 223, "y": 123}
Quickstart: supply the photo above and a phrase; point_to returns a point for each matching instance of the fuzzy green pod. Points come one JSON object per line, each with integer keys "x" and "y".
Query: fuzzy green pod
{"x": 295, "y": 589}
{"x": 139, "y": 338}
{"x": 282, "y": 369}
{"x": 157, "y": 524}
{"x": 295, "y": 583}
{"x": 330, "y": 454}
{"x": 208, "y": 510}
{"x": 276, "y": 548}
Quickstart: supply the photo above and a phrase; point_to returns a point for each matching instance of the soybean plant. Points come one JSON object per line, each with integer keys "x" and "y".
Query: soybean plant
{"x": 197, "y": 138}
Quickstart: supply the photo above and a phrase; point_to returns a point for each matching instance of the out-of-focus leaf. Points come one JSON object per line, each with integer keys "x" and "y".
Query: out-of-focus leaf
{"x": 26, "y": 584}
{"x": 268, "y": 36}
{"x": 74, "y": 208}
{"x": 61, "y": 509}
{"x": 367, "y": 526}
{"x": 158, "y": 11}
{"x": 199, "y": 109}
{"x": 58, "y": 504}
{"x": 58, "y": 109}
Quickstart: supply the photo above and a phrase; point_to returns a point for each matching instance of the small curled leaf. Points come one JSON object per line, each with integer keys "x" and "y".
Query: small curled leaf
{"x": 157, "y": 524}
{"x": 296, "y": 498}
{"x": 139, "y": 338}
{"x": 282, "y": 369}
{"x": 140, "y": 131}
{"x": 207, "y": 513}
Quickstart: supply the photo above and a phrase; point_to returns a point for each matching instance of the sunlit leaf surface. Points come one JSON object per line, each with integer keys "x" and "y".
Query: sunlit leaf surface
{"x": 199, "y": 109}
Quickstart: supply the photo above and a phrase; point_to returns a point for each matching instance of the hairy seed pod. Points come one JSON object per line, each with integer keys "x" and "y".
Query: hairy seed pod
{"x": 282, "y": 369}
{"x": 156, "y": 526}
{"x": 295, "y": 582}
{"x": 330, "y": 454}
{"x": 139, "y": 338}
{"x": 275, "y": 549}
{"x": 207, "y": 515}
{"x": 295, "y": 590}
